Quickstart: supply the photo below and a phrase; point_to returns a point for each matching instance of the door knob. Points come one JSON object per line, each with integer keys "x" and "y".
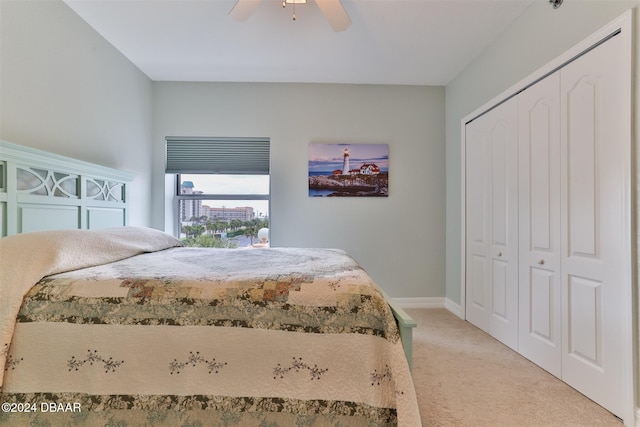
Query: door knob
{"x": 541, "y": 262}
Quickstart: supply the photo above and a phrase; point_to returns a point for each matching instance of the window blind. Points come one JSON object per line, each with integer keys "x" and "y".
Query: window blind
{"x": 217, "y": 155}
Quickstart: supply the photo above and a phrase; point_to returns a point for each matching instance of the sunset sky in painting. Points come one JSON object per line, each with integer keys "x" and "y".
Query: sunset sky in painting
{"x": 329, "y": 157}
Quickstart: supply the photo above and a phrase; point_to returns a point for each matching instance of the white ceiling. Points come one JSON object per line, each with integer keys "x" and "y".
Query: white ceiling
{"x": 415, "y": 42}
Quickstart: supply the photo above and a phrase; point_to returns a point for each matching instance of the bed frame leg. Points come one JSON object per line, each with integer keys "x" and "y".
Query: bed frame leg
{"x": 405, "y": 325}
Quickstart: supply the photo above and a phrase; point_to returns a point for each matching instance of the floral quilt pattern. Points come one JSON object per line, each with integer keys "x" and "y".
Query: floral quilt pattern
{"x": 191, "y": 336}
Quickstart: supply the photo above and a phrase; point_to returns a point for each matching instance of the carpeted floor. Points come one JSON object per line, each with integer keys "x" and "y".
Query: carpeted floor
{"x": 465, "y": 377}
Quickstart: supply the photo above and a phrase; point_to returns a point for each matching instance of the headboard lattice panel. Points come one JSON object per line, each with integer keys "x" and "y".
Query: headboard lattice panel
{"x": 47, "y": 183}
{"x": 45, "y": 191}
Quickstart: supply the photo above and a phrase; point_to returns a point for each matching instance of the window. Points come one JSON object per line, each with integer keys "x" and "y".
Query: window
{"x": 222, "y": 191}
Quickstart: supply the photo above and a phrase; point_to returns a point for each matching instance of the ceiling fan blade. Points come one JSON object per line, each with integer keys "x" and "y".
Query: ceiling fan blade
{"x": 243, "y": 9}
{"x": 335, "y": 14}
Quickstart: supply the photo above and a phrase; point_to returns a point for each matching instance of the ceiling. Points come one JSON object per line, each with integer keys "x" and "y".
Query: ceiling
{"x": 413, "y": 42}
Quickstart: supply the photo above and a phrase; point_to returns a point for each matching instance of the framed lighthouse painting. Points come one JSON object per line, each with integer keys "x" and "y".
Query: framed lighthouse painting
{"x": 348, "y": 170}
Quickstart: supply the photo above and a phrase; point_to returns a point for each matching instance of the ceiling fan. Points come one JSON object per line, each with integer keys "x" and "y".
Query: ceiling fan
{"x": 332, "y": 10}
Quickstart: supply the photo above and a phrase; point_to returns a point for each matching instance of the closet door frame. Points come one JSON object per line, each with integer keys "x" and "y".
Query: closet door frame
{"x": 622, "y": 24}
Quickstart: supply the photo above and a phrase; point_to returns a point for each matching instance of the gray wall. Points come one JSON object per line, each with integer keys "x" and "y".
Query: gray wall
{"x": 64, "y": 89}
{"x": 399, "y": 239}
{"x": 537, "y": 37}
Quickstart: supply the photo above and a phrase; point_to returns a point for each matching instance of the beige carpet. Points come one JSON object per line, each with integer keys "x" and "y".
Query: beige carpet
{"x": 464, "y": 377}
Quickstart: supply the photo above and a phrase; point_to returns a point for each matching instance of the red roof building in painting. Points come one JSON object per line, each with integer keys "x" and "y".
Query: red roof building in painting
{"x": 369, "y": 169}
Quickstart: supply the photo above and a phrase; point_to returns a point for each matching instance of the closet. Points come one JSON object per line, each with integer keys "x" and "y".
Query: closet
{"x": 548, "y": 222}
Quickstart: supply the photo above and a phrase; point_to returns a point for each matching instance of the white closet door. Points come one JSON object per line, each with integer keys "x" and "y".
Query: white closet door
{"x": 503, "y": 321}
{"x": 540, "y": 314}
{"x": 478, "y": 223}
{"x": 596, "y": 277}
{"x": 492, "y": 223}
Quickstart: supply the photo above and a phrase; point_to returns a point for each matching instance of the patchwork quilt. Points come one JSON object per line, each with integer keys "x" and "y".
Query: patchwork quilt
{"x": 202, "y": 336}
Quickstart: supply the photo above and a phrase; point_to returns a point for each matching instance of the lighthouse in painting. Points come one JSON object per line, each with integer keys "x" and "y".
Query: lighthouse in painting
{"x": 345, "y": 162}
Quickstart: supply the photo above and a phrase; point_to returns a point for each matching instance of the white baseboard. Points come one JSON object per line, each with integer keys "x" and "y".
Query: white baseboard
{"x": 420, "y": 302}
{"x": 435, "y": 302}
{"x": 455, "y": 308}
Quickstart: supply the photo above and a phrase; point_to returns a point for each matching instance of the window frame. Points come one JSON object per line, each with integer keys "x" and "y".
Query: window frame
{"x": 178, "y": 197}
{"x": 209, "y": 155}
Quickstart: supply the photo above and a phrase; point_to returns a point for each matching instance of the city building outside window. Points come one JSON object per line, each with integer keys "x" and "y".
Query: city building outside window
{"x": 222, "y": 210}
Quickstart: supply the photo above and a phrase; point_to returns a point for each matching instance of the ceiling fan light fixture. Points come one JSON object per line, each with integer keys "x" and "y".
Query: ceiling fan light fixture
{"x": 332, "y": 10}
{"x": 294, "y": 3}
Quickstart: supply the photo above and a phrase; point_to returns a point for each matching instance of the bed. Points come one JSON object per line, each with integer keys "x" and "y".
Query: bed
{"x": 121, "y": 325}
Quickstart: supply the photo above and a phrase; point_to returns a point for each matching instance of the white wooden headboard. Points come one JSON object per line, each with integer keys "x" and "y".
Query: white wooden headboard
{"x": 46, "y": 191}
